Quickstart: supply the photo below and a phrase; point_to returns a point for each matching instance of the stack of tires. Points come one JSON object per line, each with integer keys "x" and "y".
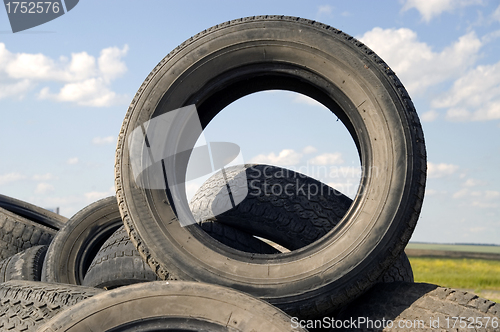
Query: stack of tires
{"x": 272, "y": 261}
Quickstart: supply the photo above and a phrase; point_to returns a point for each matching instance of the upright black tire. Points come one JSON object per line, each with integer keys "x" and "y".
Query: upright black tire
{"x": 408, "y": 307}
{"x": 284, "y": 206}
{"x": 18, "y": 233}
{"x": 171, "y": 306}
{"x": 33, "y": 212}
{"x": 26, "y": 305}
{"x": 234, "y": 59}
{"x": 25, "y": 265}
{"x": 77, "y": 243}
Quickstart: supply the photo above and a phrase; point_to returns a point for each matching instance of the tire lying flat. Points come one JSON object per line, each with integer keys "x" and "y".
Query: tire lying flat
{"x": 176, "y": 306}
{"x": 18, "y": 233}
{"x": 243, "y": 56}
{"x": 119, "y": 264}
{"x": 299, "y": 212}
{"x": 77, "y": 243}
{"x": 293, "y": 217}
{"x": 33, "y": 212}
{"x": 25, "y": 265}
{"x": 426, "y": 307}
{"x": 26, "y": 305}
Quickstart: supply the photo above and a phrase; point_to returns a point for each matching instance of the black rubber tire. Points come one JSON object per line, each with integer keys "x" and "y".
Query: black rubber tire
{"x": 25, "y": 265}
{"x": 18, "y": 233}
{"x": 233, "y": 59}
{"x": 399, "y": 271}
{"x": 293, "y": 218}
{"x": 171, "y": 306}
{"x": 26, "y": 305}
{"x": 415, "y": 302}
{"x": 77, "y": 243}
{"x": 33, "y": 212}
{"x": 118, "y": 262}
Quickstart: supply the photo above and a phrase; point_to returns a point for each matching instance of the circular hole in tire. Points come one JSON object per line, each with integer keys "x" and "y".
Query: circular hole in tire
{"x": 300, "y": 161}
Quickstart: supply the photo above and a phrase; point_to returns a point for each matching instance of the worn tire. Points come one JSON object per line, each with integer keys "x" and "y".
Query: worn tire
{"x": 26, "y": 305}
{"x": 419, "y": 303}
{"x": 171, "y": 306}
{"x": 77, "y": 243}
{"x": 25, "y": 265}
{"x": 231, "y": 60}
{"x": 119, "y": 264}
{"x": 18, "y": 233}
{"x": 33, "y": 212}
{"x": 290, "y": 217}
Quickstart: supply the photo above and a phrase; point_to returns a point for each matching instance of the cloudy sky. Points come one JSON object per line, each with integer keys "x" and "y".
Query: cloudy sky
{"x": 65, "y": 87}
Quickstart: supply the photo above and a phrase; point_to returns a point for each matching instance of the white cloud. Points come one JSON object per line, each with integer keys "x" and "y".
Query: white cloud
{"x": 481, "y": 199}
{"x": 86, "y": 80}
{"x": 43, "y": 177}
{"x": 461, "y": 193}
{"x": 477, "y": 229}
{"x": 103, "y": 140}
{"x": 440, "y": 170}
{"x": 303, "y": 99}
{"x": 72, "y": 161}
{"x": 429, "y": 116}
{"x": 496, "y": 14}
{"x": 474, "y": 97}
{"x": 92, "y": 92}
{"x": 324, "y": 10}
{"x": 286, "y": 157}
{"x": 43, "y": 188}
{"x": 415, "y": 62}
{"x": 309, "y": 149}
{"x": 432, "y": 8}
{"x": 472, "y": 183}
{"x": 15, "y": 89}
{"x": 97, "y": 195}
{"x": 327, "y": 159}
{"x": 110, "y": 64}
{"x": 11, "y": 177}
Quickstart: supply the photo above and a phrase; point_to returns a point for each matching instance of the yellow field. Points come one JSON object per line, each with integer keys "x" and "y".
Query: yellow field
{"x": 480, "y": 276}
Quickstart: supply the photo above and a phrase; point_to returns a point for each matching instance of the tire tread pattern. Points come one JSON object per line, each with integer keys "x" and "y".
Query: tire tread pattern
{"x": 405, "y": 231}
{"x": 420, "y": 301}
{"x": 25, "y": 265}
{"x": 25, "y": 305}
{"x": 18, "y": 234}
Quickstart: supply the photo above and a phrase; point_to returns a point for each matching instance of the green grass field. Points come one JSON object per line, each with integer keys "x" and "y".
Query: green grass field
{"x": 480, "y": 276}
{"x": 455, "y": 247}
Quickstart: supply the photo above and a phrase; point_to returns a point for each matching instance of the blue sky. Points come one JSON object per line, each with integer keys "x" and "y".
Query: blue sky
{"x": 65, "y": 87}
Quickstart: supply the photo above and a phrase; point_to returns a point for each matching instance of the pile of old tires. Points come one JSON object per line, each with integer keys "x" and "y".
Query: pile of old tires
{"x": 285, "y": 260}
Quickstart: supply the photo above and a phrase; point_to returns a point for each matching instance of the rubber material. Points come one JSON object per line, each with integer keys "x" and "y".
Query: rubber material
{"x": 287, "y": 207}
{"x": 25, "y": 265}
{"x": 419, "y": 305}
{"x": 33, "y": 212}
{"x": 399, "y": 271}
{"x": 77, "y": 243}
{"x": 119, "y": 264}
{"x": 26, "y": 305}
{"x": 18, "y": 233}
{"x": 173, "y": 306}
{"x": 234, "y": 59}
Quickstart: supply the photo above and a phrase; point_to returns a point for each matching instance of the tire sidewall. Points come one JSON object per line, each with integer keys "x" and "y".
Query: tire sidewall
{"x": 373, "y": 232}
